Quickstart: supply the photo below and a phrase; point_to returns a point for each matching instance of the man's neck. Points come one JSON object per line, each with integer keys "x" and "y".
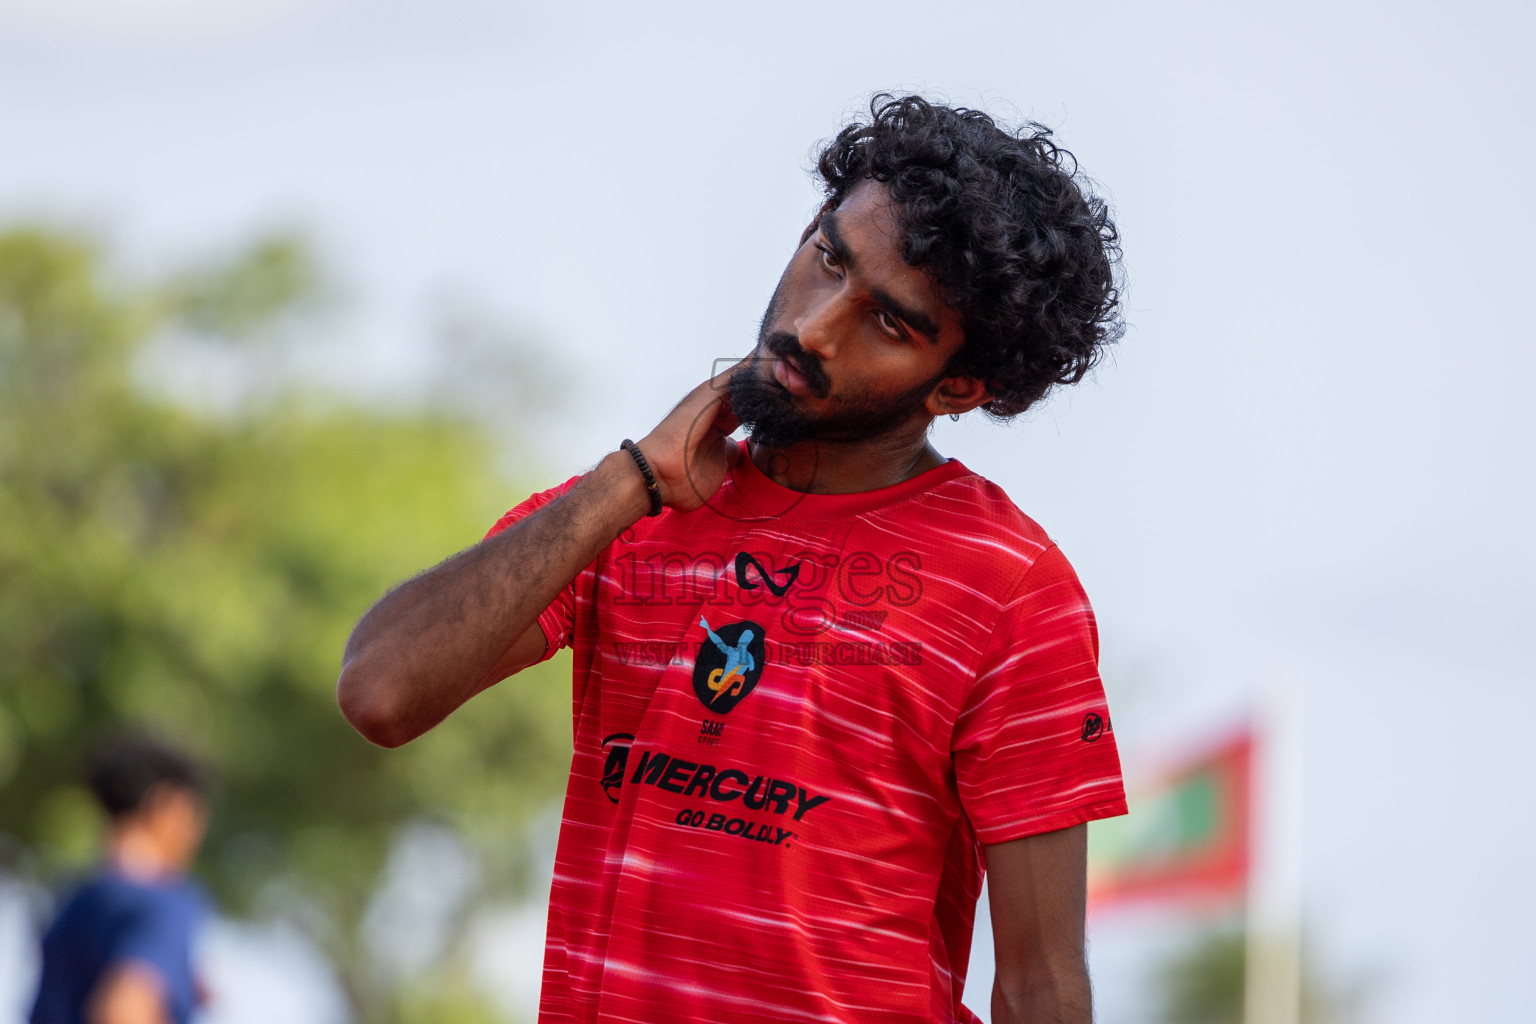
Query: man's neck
{"x": 828, "y": 467}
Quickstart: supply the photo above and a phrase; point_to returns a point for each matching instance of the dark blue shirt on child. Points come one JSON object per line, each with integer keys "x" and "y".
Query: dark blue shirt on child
{"x": 109, "y": 922}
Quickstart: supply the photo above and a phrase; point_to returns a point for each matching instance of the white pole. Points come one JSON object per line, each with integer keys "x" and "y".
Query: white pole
{"x": 1272, "y": 993}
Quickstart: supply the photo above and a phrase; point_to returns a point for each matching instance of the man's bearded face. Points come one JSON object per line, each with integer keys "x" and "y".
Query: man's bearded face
{"x": 774, "y": 417}
{"x": 855, "y": 340}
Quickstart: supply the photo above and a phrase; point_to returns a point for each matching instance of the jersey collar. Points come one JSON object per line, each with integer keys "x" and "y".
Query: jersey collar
{"x": 762, "y": 497}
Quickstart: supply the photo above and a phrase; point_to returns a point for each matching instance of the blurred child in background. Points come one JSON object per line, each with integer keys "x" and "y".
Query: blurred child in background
{"x": 120, "y": 950}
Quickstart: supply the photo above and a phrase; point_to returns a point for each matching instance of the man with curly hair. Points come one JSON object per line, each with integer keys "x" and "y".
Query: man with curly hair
{"x": 787, "y": 813}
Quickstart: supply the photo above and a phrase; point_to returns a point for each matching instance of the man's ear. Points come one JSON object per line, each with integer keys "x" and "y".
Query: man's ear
{"x": 826, "y": 208}
{"x": 955, "y": 395}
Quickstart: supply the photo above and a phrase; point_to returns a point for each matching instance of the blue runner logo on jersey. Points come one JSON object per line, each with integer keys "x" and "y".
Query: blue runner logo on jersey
{"x": 729, "y": 663}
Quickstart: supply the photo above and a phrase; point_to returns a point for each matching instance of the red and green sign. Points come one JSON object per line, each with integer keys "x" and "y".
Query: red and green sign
{"x": 1185, "y": 839}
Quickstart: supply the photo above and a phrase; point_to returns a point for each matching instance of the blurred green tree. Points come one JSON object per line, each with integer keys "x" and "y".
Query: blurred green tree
{"x": 1202, "y": 983}
{"x": 198, "y": 572}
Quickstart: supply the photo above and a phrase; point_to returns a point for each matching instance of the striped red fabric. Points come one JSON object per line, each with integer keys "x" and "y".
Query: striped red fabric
{"x": 796, "y": 718}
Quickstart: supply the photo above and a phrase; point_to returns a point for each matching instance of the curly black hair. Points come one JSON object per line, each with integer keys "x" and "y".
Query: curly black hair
{"x": 1019, "y": 244}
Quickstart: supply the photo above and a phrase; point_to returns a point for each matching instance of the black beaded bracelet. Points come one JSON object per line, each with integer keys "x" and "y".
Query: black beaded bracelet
{"x": 645, "y": 470}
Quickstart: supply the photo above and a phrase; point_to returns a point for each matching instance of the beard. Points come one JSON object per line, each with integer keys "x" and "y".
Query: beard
{"x": 772, "y": 417}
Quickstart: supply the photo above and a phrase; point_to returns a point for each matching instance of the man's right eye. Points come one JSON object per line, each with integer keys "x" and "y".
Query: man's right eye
{"x": 828, "y": 258}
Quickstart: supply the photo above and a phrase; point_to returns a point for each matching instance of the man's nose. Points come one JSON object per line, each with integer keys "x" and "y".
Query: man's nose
{"x": 817, "y": 328}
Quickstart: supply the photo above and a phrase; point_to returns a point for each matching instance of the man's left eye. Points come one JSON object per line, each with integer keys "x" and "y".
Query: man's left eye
{"x": 888, "y": 323}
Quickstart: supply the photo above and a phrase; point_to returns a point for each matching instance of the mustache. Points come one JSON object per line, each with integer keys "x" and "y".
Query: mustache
{"x": 786, "y": 346}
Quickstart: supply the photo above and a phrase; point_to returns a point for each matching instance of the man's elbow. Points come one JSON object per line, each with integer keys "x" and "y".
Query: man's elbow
{"x": 369, "y": 704}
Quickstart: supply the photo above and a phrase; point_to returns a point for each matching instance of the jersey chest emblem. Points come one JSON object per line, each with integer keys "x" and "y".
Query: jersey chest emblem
{"x": 729, "y": 663}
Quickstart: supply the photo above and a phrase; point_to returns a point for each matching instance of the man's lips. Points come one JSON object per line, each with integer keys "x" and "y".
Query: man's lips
{"x": 792, "y": 379}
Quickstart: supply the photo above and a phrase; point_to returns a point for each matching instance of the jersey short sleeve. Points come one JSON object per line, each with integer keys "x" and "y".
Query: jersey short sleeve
{"x": 1033, "y": 748}
{"x": 112, "y": 922}
{"x": 558, "y": 621}
{"x": 157, "y": 933}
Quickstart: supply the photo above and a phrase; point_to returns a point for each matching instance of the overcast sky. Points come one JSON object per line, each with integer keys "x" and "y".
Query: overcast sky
{"x": 1307, "y": 465}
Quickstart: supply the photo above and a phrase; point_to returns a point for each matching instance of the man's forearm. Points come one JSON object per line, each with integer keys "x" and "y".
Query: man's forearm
{"x": 434, "y": 642}
{"x": 1062, "y": 997}
{"x": 431, "y": 643}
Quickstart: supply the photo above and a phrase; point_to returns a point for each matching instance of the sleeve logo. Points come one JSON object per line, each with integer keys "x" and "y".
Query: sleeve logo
{"x": 1093, "y": 727}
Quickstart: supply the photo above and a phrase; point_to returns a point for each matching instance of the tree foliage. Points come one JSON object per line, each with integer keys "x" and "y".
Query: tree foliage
{"x": 198, "y": 574}
{"x": 1202, "y": 983}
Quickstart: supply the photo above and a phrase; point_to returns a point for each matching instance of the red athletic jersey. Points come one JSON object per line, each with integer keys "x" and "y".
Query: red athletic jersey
{"x": 796, "y": 718}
